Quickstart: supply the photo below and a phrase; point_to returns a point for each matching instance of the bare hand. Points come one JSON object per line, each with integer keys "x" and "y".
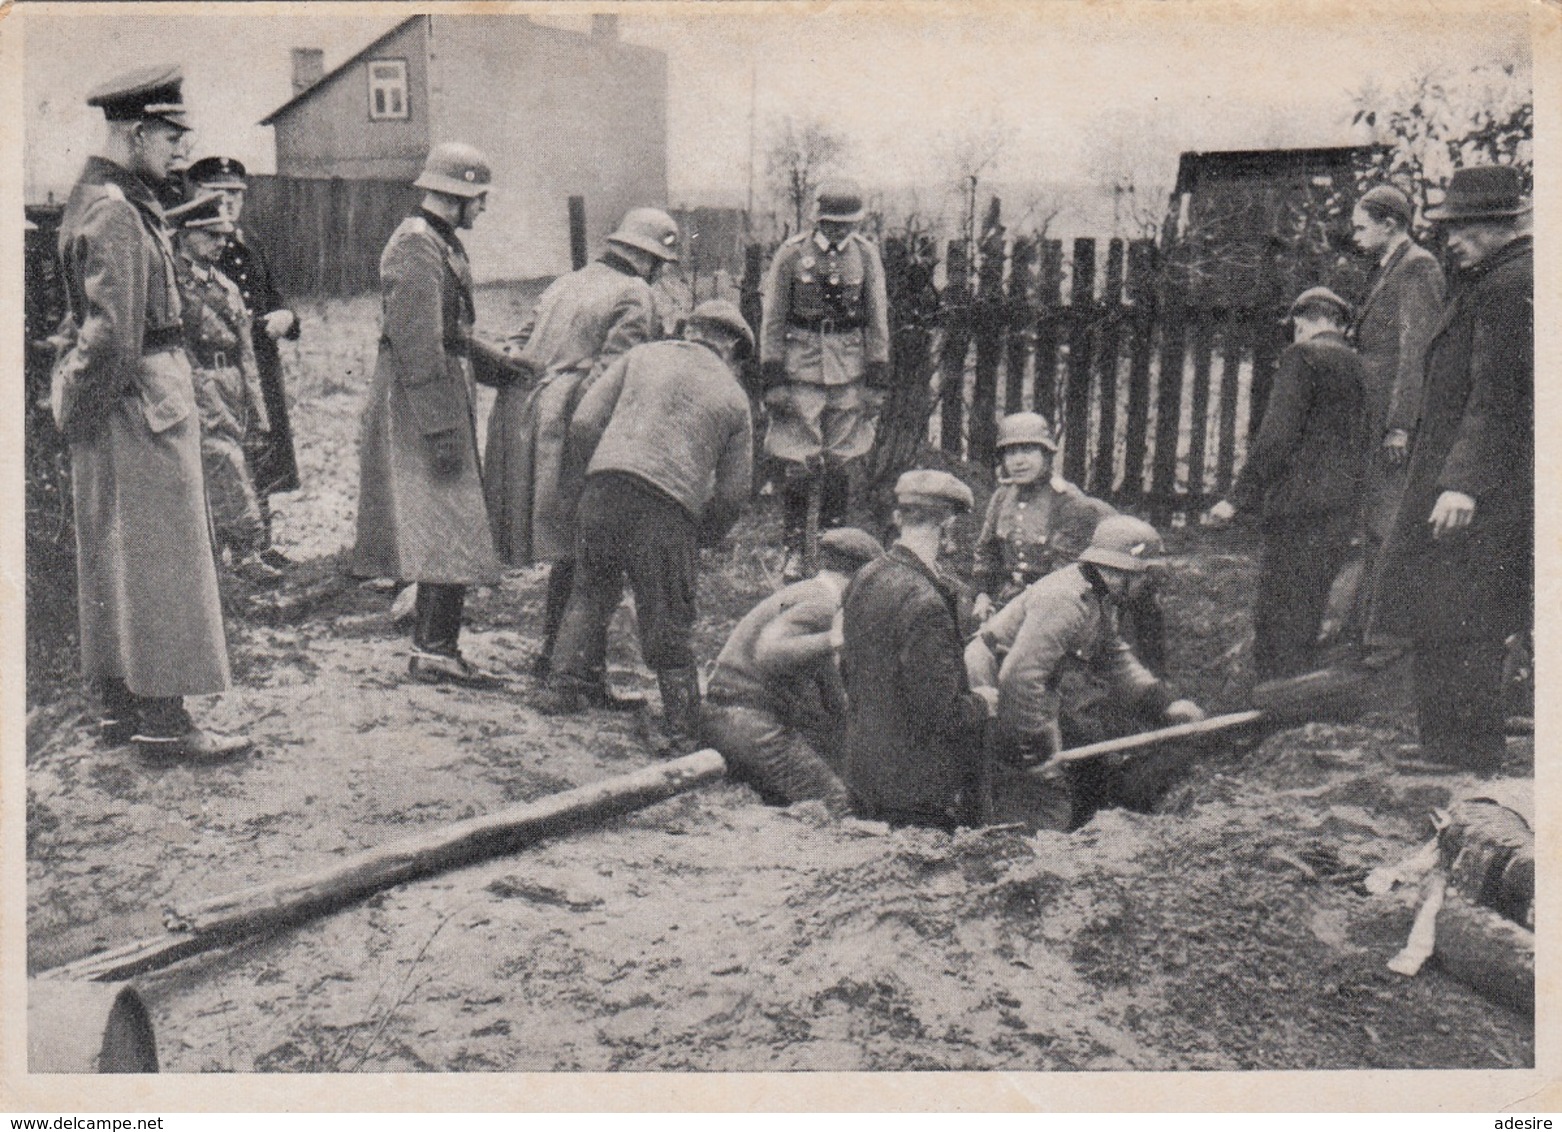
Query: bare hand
{"x": 990, "y": 698}
{"x": 445, "y": 452}
{"x": 982, "y": 607}
{"x": 1396, "y": 447}
{"x": 279, "y": 324}
{"x": 1451, "y": 513}
{"x": 1184, "y": 711}
{"x": 1222, "y": 513}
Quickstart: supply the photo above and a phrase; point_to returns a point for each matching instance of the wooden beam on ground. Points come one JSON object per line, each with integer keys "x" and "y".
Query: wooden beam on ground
{"x": 267, "y": 908}
{"x": 1148, "y": 740}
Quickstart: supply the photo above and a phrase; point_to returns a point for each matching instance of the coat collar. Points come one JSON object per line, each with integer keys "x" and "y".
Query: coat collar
{"x": 1380, "y": 276}
{"x": 102, "y": 171}
{"x": 904, "y": 555}
{"x": 1523, "y": 246}
{"x": 446, "y": 230}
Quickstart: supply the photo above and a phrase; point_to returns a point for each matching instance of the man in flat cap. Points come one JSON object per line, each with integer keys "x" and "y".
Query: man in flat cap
{"x": 1302, "y": 482}
{"x": 227, "y": 381}
{"x": 1391, "y": 331}
{"x": 421, "y": 516}
{"x": 581, "y": 324}
{"x": 824, "y": 360}
{"x": 151, "y": 620}
{"x": 1457, "y": 577}
{"x": 1063, "y": 676}
{"x": 272, "y": 460}
{"x": 667, "y": 431}
{"x": 913, "y": 725}
{"x": 775, "y": 707}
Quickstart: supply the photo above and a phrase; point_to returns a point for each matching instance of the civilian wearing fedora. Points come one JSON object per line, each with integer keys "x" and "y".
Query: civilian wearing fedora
{"x": 824, "y": 358}
{"x": 227, "y": 380}
{"x": 1457, "y": 572}
{"x": 151, "y": 618}
{"x": 667, "y": 432}
{"x": 1302, "y": 481}
{"x": 775, "y": 707}
{"x": 272, "y": 459}
{"x": 914, "y": 726}
{"x": 421, "y": 516}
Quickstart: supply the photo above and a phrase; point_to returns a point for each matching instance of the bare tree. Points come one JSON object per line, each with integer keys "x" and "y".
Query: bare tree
{"x": 1131, "y": 159}
{"x": 799, "y": 153}
{"x": 965, "y": 157}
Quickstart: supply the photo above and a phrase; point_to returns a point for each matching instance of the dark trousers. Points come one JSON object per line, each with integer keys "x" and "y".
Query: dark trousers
{"x": 561, "y": 578}
{"x": 627, "y": 527}
{"x": 834, "y": 497}
{"x": 781, "y": 761}
{"x": 1298, "y": 562}
{"x": 436, "y": 623}
{"x": 1458, "y": 689}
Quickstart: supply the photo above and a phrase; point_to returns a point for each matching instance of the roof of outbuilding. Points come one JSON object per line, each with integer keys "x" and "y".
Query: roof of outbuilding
{"x": 338, "y": 69}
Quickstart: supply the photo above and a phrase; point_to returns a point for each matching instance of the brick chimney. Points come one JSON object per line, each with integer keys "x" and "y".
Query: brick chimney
{"x": 604, "y": 28}
{"x": 308, "y": 68}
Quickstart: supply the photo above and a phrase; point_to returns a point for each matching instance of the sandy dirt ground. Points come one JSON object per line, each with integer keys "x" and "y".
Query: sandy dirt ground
{"x": 1227, "y": 930}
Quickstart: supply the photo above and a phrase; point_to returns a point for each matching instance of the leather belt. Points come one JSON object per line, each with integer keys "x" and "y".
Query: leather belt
{"x": 827, "y": 325}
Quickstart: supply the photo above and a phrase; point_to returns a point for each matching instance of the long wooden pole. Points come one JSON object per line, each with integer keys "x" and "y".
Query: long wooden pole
{"x": 1145, "y": 740}
{"x": 267, "y": 908}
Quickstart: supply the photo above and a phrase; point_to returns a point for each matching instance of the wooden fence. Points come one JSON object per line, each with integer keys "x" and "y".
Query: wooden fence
{"x": 1152, "y": 395}
{"x": 324, "y": 237}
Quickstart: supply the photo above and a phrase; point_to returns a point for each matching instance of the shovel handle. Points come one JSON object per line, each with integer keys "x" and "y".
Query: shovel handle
{"x": 1144, "y": 740}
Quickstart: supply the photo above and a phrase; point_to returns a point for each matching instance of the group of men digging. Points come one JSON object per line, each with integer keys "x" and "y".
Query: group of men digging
{"x": 614, "y": 453}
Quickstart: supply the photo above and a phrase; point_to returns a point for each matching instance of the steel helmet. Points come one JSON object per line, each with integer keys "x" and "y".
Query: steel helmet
{"x": 842, "y": 201}
{"x": 724, "y": 313}
{"x": 455, "y": 169}
{"x": 1025, "y": 428}
{"x": 1126, "y": 543}
{"x": 650, "y": 230}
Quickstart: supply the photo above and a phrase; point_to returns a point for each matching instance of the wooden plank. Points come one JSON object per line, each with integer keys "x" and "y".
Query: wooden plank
{"x": 1142, "y": 268}
{"x": 1203, "y": 349}
{"x": 1234, "y": 339}
{"x": 1076, "y": 398}
{"x": 991, "y": 317}
{"x": 1102, "y": 468}
{"x": 957, "y": 343}
{"x": 1168, "y": 414}
{"x": 1049, "y": 309}
{"x": 268, "y": 908}
{"x": 1149, "y": 740}
{"x": 1022, "y": 262}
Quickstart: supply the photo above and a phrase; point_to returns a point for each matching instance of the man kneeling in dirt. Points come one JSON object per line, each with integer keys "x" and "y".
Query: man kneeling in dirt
{"x": 1064, "y": 676}
{"x": 775, "y": 707}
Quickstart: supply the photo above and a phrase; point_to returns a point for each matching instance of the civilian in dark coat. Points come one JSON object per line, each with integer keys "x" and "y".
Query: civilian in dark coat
{"x": 1457, "y": 576}
{"x": 1302, "y": 480}
{"x": 914, "y": 727}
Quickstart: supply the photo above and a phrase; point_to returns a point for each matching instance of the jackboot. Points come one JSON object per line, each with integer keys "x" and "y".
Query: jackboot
{"x": 436, "y": 657}
{"x": 118, "y": 711}
{"x": 834, "y": 497}
{"x": 561, "y": 576}
{"x": 167, "y": 734}
{"x": 680, "y": 688}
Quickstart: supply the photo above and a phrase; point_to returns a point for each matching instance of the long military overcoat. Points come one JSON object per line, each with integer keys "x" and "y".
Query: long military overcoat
{"x": 274, "y": 463}
{"x": 1475, "y": 434}
{"x": 147, "y": 581}
{"x": 1392, "y": 330}
{"x": 581, "y": 323}
{"x": 413, "y": 523}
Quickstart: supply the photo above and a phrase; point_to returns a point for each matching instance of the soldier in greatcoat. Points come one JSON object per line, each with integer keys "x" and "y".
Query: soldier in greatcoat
{"x": 1458, "y": 569}
{"x": 272, "y": 460}
{"x": 421, "y": 516}
{"x": 824, "y": 360}
{"x": 582, "y": 322}
{"x": 227, "y": 381}
{"x": 1391, "y": 332}
{"x": 151, "y": 619}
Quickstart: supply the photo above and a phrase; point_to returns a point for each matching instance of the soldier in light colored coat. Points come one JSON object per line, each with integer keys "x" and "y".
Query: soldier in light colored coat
{"x": 824, "y": 359}
{"x": 420, "y": 500}
{"x": 582, "y": 322}
{"x": 151, "y": 619}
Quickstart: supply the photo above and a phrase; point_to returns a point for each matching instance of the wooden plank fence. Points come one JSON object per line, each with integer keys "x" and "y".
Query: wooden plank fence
{"x": 1153, "y": 394}
{"x": 324, "y": 237}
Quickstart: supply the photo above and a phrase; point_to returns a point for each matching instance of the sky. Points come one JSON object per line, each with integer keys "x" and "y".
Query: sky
{"x": 1071, "y": 86}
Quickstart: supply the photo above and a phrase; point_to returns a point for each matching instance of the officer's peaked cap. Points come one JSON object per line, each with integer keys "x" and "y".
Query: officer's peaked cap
{"x": 147, "y": 93}
{"x": 207, "y": 212}
{"x": 927, "y": 486}
{"x": 217, "y": 173}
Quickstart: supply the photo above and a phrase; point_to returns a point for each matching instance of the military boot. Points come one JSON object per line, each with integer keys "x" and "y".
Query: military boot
{"x": 680, "y": 730}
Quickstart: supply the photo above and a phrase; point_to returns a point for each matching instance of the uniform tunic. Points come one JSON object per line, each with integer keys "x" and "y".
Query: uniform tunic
{"x": 147, "y": 582}
{"x": 1031, "y": 530}
{"x": 229, "y": 396}
{"x": 273, "y": 462}
{"x": 582, "y": 322}
{"x": 414, "y": 524}
{"x": 826, "y": 318}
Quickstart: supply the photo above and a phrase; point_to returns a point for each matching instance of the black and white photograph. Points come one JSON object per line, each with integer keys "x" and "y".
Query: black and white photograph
{"x": 707, "y": 539}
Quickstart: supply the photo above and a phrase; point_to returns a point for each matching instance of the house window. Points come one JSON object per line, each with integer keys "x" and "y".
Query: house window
{"x": 387, "y": 88}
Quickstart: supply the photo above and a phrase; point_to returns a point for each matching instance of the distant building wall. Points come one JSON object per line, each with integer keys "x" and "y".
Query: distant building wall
{"x": 330, "y": 132}
{"x": 560, "y": 114}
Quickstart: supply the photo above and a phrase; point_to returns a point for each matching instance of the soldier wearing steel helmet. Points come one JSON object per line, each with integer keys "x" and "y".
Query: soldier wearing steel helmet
{"x": 420, "y": 502}
{"x": 581, "y": 324}
{"x": 824, "y": 358}
{"x": 1062, "y": 674}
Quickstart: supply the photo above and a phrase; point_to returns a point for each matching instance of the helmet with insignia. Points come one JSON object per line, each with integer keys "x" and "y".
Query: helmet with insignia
{"x": 217, "y": 173}
{"x": 841, "y": 201}
{"x": 206, "y": 213}
{"x": 1124, "y": 543}
{"x": 455, "y": 169}
{"x": 153, "y": 93}
{"x": 650, "y": 230}
{"x": 1025, "y": 428}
